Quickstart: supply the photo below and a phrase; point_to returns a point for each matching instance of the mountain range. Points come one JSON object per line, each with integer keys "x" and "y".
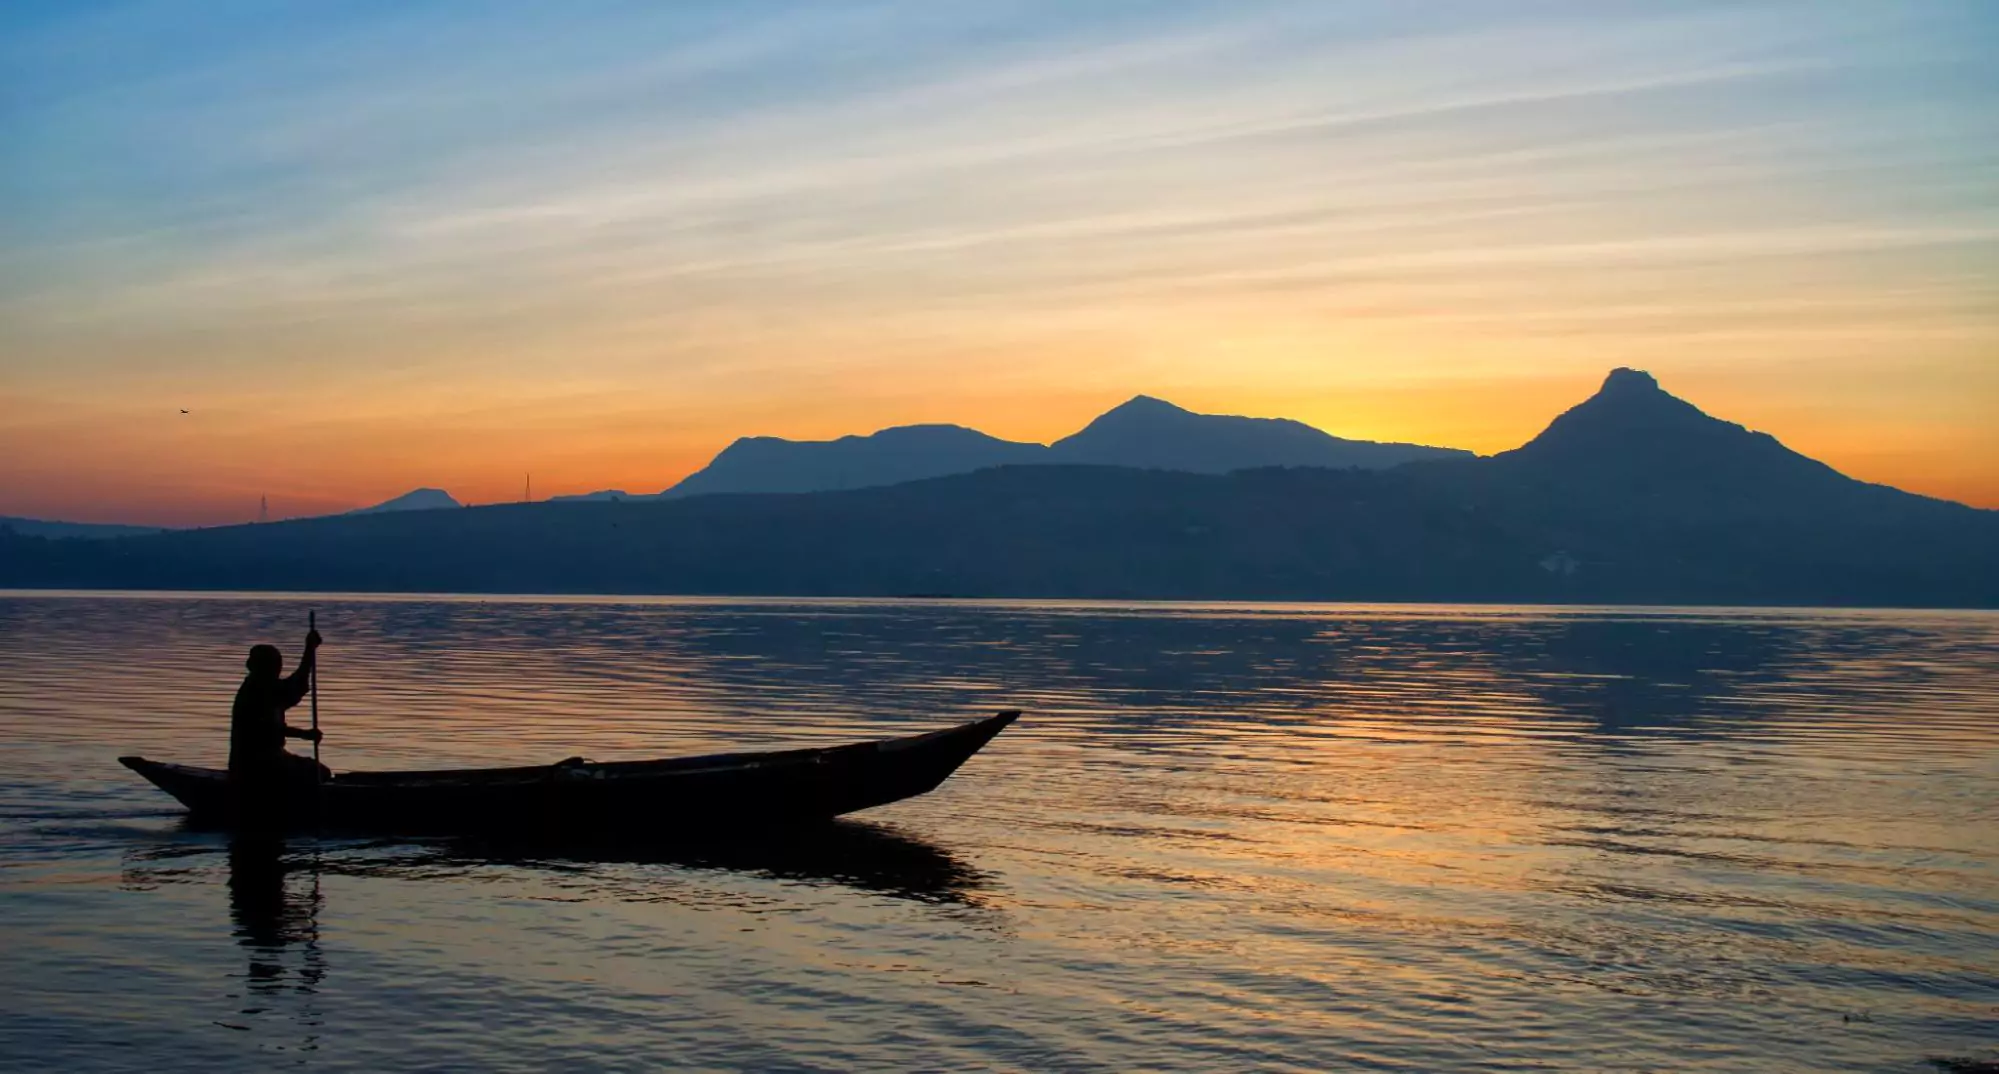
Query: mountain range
{"x": 1633, "y": 495}
{"x": 1145, "y": 433}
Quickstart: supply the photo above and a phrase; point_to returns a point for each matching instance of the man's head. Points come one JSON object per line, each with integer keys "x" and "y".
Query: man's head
{"x": 265, "y": 660}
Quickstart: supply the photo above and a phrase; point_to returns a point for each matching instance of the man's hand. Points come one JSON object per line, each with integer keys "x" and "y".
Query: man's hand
{"x": 312, "y": 640}
{"x": 314, "y": 734}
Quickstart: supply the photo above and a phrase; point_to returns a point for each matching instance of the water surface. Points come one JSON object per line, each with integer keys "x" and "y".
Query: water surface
{"x": 1234, "y": 837}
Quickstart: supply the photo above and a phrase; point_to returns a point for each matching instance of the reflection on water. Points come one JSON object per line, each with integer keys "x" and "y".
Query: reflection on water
{"x": 275, "y": 896}
{"x": 866, "y": 857}
{"x": 869, "y": 858}
{"x": 271, "y": 915}
{"x": 1421, "y": 838}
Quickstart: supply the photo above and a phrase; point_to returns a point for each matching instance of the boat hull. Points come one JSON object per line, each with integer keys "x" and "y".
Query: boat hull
{"x": 675, "y": 798}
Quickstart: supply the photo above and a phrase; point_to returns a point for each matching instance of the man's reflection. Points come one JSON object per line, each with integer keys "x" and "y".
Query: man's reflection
{"x": 272, "y": 911}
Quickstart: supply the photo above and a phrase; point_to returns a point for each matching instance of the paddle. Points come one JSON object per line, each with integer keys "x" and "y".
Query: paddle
{"x": 312, "y": 625}
{"x": 318, "y": 780}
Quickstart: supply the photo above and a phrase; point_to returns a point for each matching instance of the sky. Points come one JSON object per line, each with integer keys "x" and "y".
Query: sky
{"x": 375, "y": 246}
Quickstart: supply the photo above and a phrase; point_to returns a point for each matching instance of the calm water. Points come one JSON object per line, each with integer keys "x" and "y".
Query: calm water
{"x": 1223, "y": 838}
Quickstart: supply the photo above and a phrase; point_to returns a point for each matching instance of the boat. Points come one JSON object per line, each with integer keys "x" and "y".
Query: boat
{"x": 682, "y": 797}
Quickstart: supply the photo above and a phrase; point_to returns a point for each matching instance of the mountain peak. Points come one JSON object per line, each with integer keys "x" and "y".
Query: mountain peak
{"x": 424, "y": 499}
{"x": 1633, "y": 434}
{"x": 1627, "y": 381}
{"x": 885, "y": 457}
{"x": 1630, "y": 409}
{"x": 1145, "y": 405}
{"x": 1632, "y": 398}
{"x": 1154, "y": 434}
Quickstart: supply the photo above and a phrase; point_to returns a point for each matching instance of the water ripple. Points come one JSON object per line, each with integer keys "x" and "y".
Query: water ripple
{"x": 1226, "y": 836}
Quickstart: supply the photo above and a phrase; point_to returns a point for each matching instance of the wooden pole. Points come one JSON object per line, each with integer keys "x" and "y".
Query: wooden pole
{"x": 312, "y": 624}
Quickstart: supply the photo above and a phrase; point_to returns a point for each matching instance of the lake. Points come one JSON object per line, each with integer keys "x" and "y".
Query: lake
{"x": 1222, "y": 837}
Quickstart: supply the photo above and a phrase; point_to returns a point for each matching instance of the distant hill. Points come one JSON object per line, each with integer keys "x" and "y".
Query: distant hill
{"x": 1156, "y": 435}
{"x": 600, "y": 496}
{"x": 1145, "y": 433}
{"x": 1643, "y": 491}
{"x": 413, "y": 500}
{"x": 1632, "y": 439}
{"x": 891, "y": 456}
{"x": 1632, "y": 496}
{"x": 36, "y": 527}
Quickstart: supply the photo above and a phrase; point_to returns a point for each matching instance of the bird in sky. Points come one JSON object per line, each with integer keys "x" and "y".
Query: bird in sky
{"x": 183, "y": 410}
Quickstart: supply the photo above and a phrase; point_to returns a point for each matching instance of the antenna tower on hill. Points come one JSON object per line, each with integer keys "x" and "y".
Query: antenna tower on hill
{"x": 263, "y": 509}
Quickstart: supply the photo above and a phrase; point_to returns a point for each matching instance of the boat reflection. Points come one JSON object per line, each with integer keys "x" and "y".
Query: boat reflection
{"x": 275, "y": 895}
{"x": 276, "y": 899}
{"x": 862, "y": 856}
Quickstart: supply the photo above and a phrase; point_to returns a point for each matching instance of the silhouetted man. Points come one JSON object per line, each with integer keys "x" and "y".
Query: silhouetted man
{"x": 259, "y": 766}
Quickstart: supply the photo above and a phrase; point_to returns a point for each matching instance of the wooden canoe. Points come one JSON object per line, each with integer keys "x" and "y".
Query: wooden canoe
{"x": 672, "y": 798}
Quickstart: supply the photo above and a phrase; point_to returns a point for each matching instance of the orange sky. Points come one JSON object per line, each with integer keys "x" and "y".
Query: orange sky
{"x": 371, "y": 251}
{"x": 155, "y": 465}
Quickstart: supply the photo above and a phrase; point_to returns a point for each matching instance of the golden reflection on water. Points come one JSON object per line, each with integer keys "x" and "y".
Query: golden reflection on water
{"x": 1224, "y": 836}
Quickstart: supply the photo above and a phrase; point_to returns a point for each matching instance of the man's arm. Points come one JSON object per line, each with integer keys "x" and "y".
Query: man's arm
{"x": 299, "y": 683}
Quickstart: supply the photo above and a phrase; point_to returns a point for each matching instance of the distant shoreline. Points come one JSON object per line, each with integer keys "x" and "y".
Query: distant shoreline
{"x": 1094, "y": 603}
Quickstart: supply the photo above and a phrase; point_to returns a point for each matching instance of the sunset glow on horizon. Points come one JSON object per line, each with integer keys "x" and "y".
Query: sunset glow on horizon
{"x": 374, "y": 247}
